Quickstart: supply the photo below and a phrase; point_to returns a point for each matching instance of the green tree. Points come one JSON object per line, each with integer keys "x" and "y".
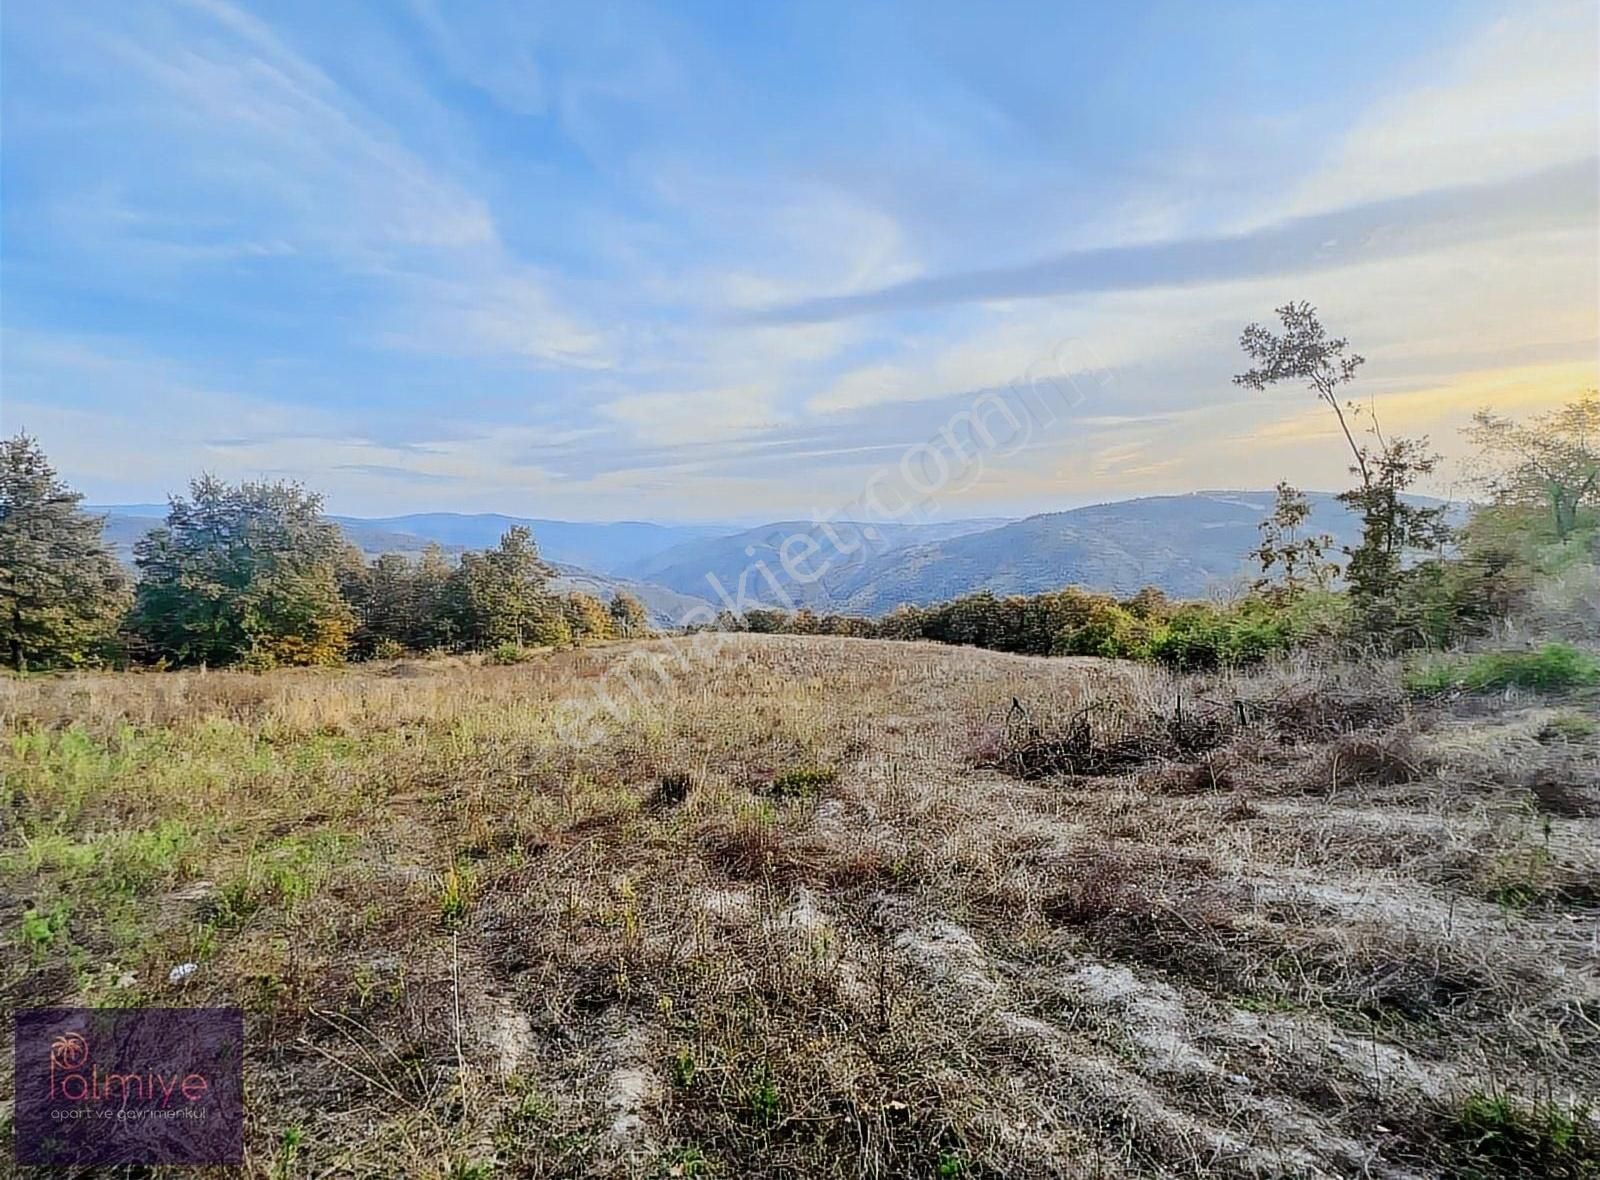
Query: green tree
{"x": 61, "y": 591}
{"x": 629, "y": 618}
{"x": 384, "y": 599}
{"x": 1299, "y": 557}
{"x": 433, "y": 623}
{"x": 243, "y": 573}
{"x": 1553, "y": 460}
{"x": 1391, "y": 525}
{"x": 498, "y": 595}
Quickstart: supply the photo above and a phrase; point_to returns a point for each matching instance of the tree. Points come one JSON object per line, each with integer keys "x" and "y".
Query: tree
{"x": 1302, "y": 558}
{"x": 384, "y": 599}
{"x": 629, "y": 618}
{"x": 433, "y": 624}
{"x": 246, "y": 573}
{"x": 586, "y": 616}
{"x": 61, "y": 591}
{"x": 499, "y": 595}
{"x": 1305, "y": 352}
{"x": 1553, "y": 460}
{"x": 1390, "y": 523}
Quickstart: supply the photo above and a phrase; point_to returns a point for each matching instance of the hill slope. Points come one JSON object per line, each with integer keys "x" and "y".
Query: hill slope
{"x": 606, "y": 547}
{"x": 788, "y": 911}
{"x": 1183, "y": 544}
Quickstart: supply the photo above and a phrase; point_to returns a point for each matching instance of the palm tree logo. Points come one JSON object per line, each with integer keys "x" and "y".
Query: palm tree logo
{"x": 69, "y": 1051}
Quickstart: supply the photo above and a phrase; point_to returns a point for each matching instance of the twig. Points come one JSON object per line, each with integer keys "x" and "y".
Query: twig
{"x": 455, "y": 993}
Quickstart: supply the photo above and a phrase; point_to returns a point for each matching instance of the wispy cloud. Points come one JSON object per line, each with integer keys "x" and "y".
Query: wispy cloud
{"x": 480, "y": 256}
{"x": 1567, "y": 194}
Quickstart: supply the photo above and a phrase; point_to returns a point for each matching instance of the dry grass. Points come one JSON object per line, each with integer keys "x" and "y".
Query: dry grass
{"x": 831, "y": 908}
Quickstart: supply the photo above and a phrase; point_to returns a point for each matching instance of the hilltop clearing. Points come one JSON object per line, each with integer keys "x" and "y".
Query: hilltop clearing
{"x": 833, "y": 907}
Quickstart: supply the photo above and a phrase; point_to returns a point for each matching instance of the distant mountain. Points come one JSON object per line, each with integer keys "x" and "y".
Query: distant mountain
{"x": 606, "y": 547}
{"x": 728, "y": 558}
{"x": 1183, "y": 544}
{"x": 667, "y": 607}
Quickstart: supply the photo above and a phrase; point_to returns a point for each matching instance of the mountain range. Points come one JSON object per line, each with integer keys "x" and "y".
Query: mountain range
{"x": 1182, "y": 543}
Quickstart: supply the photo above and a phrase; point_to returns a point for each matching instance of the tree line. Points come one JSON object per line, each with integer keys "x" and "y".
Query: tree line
{"x": 255, "y": 574}
{"x": 1412, "y": 579}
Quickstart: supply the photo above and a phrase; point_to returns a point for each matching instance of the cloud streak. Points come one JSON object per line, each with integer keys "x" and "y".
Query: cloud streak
{"x": 1563, "y": 195}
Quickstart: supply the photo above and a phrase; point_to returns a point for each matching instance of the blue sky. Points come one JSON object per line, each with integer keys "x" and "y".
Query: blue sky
{"x": 727, "y": 261}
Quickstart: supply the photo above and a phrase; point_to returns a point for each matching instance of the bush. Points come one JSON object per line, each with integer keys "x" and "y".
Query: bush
{"x": 508, "y": 653}
{"x": 1553, "y": 666}
{"x": 1492, "y": 1135}
{"x": 1200, "y": 637}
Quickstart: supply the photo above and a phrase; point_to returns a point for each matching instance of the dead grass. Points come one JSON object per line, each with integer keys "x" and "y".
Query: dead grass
{"x": 830, "y": 908}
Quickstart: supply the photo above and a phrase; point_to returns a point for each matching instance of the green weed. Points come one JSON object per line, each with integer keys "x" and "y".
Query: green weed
{"x": 1552, "y": 667}
{"x": 1491, "y": 1135}
{"x": 803, "y": 782}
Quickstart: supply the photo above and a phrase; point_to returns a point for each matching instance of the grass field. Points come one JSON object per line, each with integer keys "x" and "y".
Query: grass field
{"x": 828, "y": 907}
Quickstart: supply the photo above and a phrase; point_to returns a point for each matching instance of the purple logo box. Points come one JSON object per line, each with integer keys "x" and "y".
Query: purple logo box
{"x": 129, "y": 1086}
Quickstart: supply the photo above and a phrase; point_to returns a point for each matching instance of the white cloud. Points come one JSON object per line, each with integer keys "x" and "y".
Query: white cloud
{"x": 699, "y": 416}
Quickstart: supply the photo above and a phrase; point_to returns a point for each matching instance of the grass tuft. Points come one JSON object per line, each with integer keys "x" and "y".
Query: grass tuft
{"x": 1551, "y": 668}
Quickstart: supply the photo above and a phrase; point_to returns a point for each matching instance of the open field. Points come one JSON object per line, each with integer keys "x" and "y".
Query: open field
{"x": 835, "y": 907}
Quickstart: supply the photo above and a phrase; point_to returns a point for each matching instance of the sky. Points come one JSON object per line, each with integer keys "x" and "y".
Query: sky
{"x": 734, "y": 262}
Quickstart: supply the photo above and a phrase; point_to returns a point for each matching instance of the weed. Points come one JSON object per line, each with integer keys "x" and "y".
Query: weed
{"x": 686, "y": 1162}
{"x": 683, "y": 1069}
{"x": 289, "y": 1143}
{"x": 455, "y": 894}
{"x": 40, "y": 930}
{"x": 1493, "y": 1135}
{"x": 803, "y": 782}
{"x": 765, "y": 1101}
{"x": 1551, "y": 668}
{"x": 1569, "y": 727}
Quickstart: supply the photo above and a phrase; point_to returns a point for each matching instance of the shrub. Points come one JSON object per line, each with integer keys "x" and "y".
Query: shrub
{"x": 1110, "y": 631}
{"x": 508, "y": 653}
{"x": 1551, "y": 667}
{"x": 388, "y": 649}
{"x": 1199, "y": 637}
